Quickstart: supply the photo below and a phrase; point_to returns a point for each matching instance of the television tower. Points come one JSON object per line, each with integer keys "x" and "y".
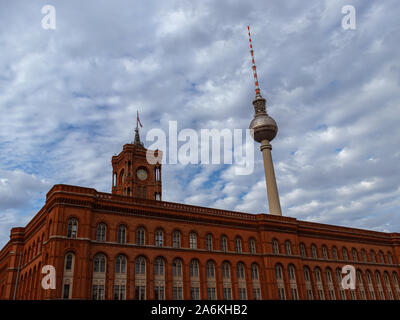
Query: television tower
{"x": 265, "y": 130}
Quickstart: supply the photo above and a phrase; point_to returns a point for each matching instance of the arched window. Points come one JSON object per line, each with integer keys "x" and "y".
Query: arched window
{"x": 238, "y": 245}
{"x": 121, "y": 177}
{"x": 72, "y": 229}
{"x": 194, "y": 268}
{"x": 288, "y": 247}
{"x": 159, "y": 239}
{"x": 240, "y": 271}
{"x": 318, "y": 275}
{"x": 387, "y": 285}
{"x": 68, "y": 261}
{"x": 140, "y": 266}
{"x": 303, "y": 250}
{"x": 319, "y": 283}
{"x": 381, "y": 257}
{"x": 280, "y": 281}
{"x": 157, "y": 173}
{"x": 354, "y": 254}
{"x": 307, "y": 274}
{"x": 159, "y": 266}
{"x": 193, "y": 240}
{"x": 292, "y": 282}
{"x": 360, "y": 283}
{"x": 194, "y": 280}
{"x": 324, "y": 252}
{"x": 252, "y": 245}
{"x": 275, "y": 246}
{"x": 292, "y": 272}
{"x": 120, "y": 264}
{"x": 369, "y": 278}
{"x": 177, "y": 268}
{"x": 278, "y": 272}
{"x": 314, "y": 251}
{"x": 335, "y": 253}
{"x": 209, "y": 242}
{"x": 210, "y": 269}
{"x": 140, "y": 278}
{"x": 254, "y": 271}
{"x": 396, "y": 284}
{"x": 140, "y": 236}
{"x": 309, "y": 287}
{"x": 211, "y": 283}
{"x": 373, "y": 256}
{"x": 224, "y": 244}
{"x": 176, "y": 239}
{"x": 99, "y": 263}
{"x": 121, "y": 234}
{"x": 226, "y": 270}
{"x": 344, "y": 254}
{"x": 101, "y": 232}
{"x": 68, "y": 276}
{"x": 364, "y": 255}
{"x": 390, "y": 259}
{"x": 114, "y": 179}
{"x": 368, "y": 275}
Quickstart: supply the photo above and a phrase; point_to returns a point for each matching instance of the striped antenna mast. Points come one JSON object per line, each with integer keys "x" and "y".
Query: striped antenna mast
{"x": 254, "y": 65}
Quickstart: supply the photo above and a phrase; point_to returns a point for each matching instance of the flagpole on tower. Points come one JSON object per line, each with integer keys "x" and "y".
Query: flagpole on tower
{"x": 137, "y": 137}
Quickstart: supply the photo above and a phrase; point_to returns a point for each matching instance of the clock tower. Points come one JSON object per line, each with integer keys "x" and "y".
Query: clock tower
{"x": 133, "y": 175}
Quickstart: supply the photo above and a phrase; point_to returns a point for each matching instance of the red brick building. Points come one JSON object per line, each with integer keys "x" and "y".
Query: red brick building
{"x": 131, "y": 245}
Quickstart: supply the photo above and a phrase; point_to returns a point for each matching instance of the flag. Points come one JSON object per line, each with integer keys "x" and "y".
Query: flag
{"x": 138, "y": 120}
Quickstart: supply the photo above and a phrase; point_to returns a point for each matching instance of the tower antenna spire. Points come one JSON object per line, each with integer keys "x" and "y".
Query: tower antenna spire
{"x": 254, "y": 65}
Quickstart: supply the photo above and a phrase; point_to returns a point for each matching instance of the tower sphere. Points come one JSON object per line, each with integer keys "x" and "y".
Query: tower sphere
{"x": 265, "y": 127}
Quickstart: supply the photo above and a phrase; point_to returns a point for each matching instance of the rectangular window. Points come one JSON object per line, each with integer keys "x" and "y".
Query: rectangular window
{"x": 342, "y": 295}
{"x": 195, "y": 293}
{"x": 119, "y": 292}
{"x": 211, "y": 293}
{"x": 256, "y": 294}
{"x": 372, "y": 294}
{"x": 310, "y": 295}
{"x": 332, "y": 295}
{"x": 177, "y": 293}
{"x": 159, "y": 293}
{"x": 227, "y": 293}
{"x": 66, "y": 291}
{"x": 293, "y": 292}
{"x": 140, "y": 293}
{"x": 281, "y": 293}
{"x": 98, "y": 292}
{"x": 321, "y": 294}
{"x": 242, "y": 294}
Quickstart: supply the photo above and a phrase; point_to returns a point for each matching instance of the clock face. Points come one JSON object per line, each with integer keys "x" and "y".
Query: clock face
{"x": 141, "y": 174}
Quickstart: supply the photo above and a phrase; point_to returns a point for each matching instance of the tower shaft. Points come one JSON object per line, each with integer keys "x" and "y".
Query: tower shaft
{"x": 272, "y": 188}
{"x": 264, "y": 131}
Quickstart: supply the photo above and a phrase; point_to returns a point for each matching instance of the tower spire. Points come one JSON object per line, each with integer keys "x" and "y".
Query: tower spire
{"x": 258, "y": 94}
{"x": 264, "y": 130}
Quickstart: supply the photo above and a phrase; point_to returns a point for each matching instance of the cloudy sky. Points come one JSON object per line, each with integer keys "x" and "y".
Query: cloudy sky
{"x": 68, "y": 101}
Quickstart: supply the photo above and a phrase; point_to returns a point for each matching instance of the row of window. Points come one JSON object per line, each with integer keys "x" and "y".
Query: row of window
{"x": 159, "y": 269}
{"x": 316, "y": 282}
{"x": 159, "y": 239}
{"x": 334, "y": 253}
{"x": 209, "y": 244}
{"x": 99, "y": 265}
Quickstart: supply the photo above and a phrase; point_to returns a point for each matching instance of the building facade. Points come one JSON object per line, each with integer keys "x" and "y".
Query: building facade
{"x": 131, "y": 245}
